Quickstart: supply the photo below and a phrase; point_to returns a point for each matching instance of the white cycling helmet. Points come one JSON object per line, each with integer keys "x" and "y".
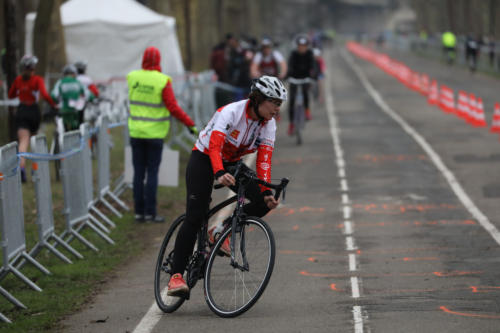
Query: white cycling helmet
{"x": 270, "y": 86}
{"x": 28, "y": 61}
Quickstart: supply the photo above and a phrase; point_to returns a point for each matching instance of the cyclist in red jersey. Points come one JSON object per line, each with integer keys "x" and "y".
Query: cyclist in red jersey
{"x": 235, "y": 130}
{"x": 27, "y": 87}
{"x": 268, "y": 61}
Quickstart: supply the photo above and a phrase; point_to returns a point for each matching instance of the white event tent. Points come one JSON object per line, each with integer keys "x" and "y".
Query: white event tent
{"x": 111, "y": 35}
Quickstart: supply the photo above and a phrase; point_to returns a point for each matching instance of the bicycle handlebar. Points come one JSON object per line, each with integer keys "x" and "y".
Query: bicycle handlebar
{"x": 251, "y": 175}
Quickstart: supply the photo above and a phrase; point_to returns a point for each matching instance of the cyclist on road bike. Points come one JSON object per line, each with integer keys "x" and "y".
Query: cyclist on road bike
{"x": 235, "y": 130}
{"x": 28, "y": 87}
{"x": 268, "y": 61}
{"x": 301, "y": 64}
{"x": 91, "y": 89}
{"x": 71, "y": 94}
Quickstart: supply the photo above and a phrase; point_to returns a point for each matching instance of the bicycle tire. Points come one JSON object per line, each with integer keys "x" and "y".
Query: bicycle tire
{"x": 167, "y": 304}
{"x": 222, "y": 280}
{"x": 299, "y": 121}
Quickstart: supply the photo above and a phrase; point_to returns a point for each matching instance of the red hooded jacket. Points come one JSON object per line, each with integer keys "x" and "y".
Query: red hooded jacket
{"x": 151, "y": 61}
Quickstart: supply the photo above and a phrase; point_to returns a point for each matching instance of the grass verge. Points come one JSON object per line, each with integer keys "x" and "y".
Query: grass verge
{"x": 72, "y": 285}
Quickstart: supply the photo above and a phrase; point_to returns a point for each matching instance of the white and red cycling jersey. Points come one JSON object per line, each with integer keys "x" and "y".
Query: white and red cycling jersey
{"x": 232, "y": 133}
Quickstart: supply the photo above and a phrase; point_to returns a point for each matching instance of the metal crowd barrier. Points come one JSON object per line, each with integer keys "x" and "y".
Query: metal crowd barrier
{"x": 104, "y": 168}
{"x": 76, "y": 205}
{"x": 86, "y": 153}
{"x": 12, "y": 217}
{"x": 45, "y": 216}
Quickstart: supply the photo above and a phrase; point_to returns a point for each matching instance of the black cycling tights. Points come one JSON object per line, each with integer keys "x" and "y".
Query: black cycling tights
{"x": 199, "y": 183}
{"x": 293, "y": 92}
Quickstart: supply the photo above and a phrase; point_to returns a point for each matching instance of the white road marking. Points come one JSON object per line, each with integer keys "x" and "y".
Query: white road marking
{"x": 154, "y": 314}
{"x": 348, "y": 225}
{"x": 352, "y": 262}
{"x": 348, "y": 228}
{"x": 345, "y": 199}
{"x": 349, "y": 244}
{"x": 347, "y": 212}
{"x": 343, "y": 185}
{"x": 358, "y": 319}
{"x": 435, "y": 158}
{"x": 355, "y": 287}
{"x": 341, "y": 173}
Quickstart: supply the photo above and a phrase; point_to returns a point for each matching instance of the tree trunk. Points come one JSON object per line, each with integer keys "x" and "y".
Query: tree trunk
{"x": 11, "y": 56}
{"x": 41, "y": 34}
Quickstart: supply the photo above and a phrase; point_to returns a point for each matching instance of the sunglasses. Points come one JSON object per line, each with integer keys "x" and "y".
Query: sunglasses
{"x": 276, "y": 102}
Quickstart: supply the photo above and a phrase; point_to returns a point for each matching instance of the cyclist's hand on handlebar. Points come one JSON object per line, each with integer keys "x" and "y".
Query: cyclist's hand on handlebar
{"x": 271, "y": 202}
{"x": 226, "y": 179}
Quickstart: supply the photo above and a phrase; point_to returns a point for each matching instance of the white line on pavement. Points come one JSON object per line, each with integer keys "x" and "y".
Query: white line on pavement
{"x": 349, "y": 244}
{"x": 347, "y": 228}
{"x": 352, "y": 262}
{"x": 355, "y": 286}
{"x": 358, "y": 319}
{"x": 343, "y": 185}
{"x": 341, "y": 173}
{"x": 345, "y": 199}
{"x": 347, "y": 212}
{"x": 436, "y": 159}
{"x": 348, "y": 225}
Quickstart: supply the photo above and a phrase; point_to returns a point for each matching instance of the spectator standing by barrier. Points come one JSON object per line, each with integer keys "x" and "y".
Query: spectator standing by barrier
{"x": 471, "y": 52}
{"x": 238, "y": 67}
{"x": 70, "y": 93}
{"x": 27, "y": 87}
{"x": 152, "y": 100}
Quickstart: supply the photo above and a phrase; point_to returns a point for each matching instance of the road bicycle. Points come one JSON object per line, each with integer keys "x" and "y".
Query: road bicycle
{"x": 232, "y": 284}
{"x": 299, "y": 112}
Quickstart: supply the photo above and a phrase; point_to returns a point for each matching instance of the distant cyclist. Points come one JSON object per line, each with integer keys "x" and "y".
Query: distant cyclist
{"x": 27, "y": 87}
{"x": 301, "y": 64}
{"x": 70, "y": 93}
{"x": 268, "y": 61}
{"x": 91, "y": 89}
{"x": 235, "y": 130}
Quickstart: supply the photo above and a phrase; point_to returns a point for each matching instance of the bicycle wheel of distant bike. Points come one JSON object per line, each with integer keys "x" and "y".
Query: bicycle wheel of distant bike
{"x": 163, "y": 270}
{"x": 230, "y": 290}
{"x": 299, "y": 121}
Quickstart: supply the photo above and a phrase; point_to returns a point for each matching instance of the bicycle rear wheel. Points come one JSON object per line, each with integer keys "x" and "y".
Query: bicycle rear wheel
{"x": 163, "y": 270}
{"x": 299, "y": 120}
{"x": 231, "y": 291}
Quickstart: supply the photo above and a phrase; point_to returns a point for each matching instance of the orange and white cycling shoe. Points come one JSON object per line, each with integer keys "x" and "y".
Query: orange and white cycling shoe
{"x": 212, "y": 239}
{"x": 177, "y": 286}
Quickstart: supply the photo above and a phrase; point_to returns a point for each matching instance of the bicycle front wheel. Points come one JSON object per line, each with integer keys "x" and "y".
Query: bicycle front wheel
{"x": 230, "y": 291}
{"x": 163, "y": 270}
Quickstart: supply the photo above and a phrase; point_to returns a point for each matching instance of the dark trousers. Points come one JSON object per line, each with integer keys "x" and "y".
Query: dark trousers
{"x": 293, "y": 93}
{"x": 199, "y": 183}
{"x": 146, "y": 158}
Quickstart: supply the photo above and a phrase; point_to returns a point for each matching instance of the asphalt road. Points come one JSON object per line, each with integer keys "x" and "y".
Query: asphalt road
{"x": 375, "y": 234}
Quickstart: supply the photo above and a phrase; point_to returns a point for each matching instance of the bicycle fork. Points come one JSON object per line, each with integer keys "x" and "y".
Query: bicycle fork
{"x": 238, "y": 213}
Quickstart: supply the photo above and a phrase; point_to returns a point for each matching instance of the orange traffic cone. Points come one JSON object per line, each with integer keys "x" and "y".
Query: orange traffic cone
{"x": 463, "y": 105}
{"x": 446, "y": 99}
{"x": 424, "y": 84}
{"x": 480, "y": 119}
{"x": 415, "y": 81}
{"x": 433, "y": 98}
{"x": 495, "y": 125}
{"x": 471, "y": 118}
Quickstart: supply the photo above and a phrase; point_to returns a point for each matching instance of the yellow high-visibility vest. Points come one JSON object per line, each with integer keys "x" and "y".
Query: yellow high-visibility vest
{"x": 449, "y": 39}
{"x": 149, "y": 118}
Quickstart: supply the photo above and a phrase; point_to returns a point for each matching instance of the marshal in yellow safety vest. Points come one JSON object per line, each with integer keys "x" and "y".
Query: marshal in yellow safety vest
{"x": 149, "y": 118}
